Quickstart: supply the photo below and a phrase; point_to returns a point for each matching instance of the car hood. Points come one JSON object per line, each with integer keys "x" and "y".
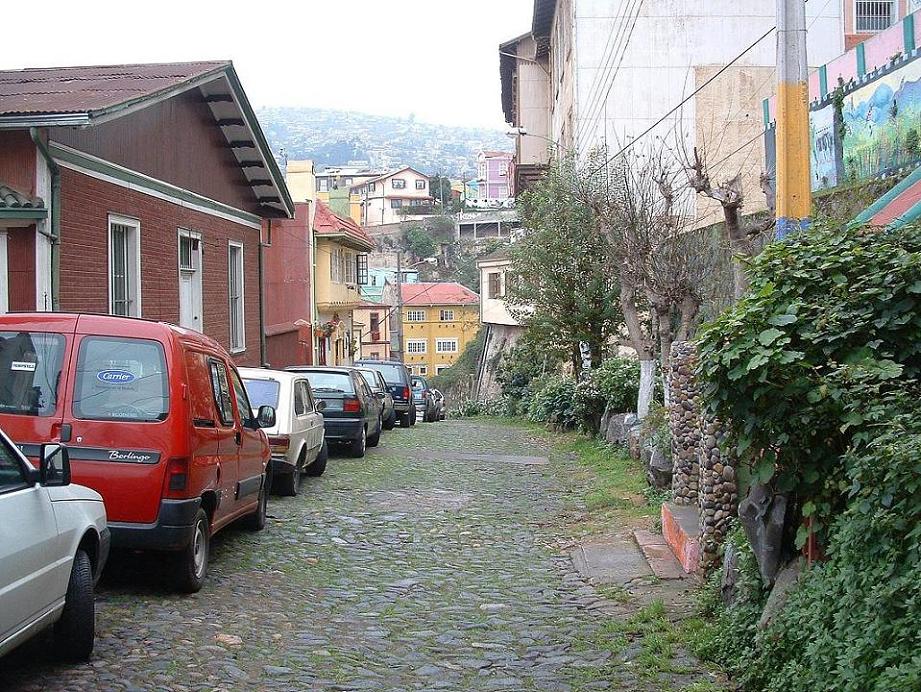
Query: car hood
{"x": 73, "y": 492}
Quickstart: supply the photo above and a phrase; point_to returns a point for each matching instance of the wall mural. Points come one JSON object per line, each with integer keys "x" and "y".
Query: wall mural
{"x": 882, "y": 124}
{"x": 822, "y": 136}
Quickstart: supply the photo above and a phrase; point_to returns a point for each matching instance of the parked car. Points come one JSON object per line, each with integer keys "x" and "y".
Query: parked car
{"x": 423, "y": 399}
{"x": 440, "y": 405}
{"x": 351, "y": 413}
{"x": 156, "y": 419}
{"x": 378, "y": 387}
{"x": 399, "y": 384}
{"x": 53, "y": 546}
{"x": 297, "y": 441}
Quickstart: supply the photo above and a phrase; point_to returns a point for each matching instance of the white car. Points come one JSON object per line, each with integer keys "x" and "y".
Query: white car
{"x": 53, "y": 545}
{"x": 297, "y": 441}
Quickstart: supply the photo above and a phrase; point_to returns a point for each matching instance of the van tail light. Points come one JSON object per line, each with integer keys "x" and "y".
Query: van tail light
{"x": 279, "y": 444}
{"x": 351, "y": 405}
{"x": 177, "y": 476}
{"x": 406, "y": 392}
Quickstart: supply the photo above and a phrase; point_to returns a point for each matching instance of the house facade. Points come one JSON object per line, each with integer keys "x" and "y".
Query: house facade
{"x": 341, "y": 266}
{"x": 493, "y": 168}
{"x": 439, "y": 320}
{"x": 393, "y": 197}
{"x": 502, "y": 328}
{"x": 137, "y": 190}
{"x": 866, "y": 18}
{"x": 334, "y": 185}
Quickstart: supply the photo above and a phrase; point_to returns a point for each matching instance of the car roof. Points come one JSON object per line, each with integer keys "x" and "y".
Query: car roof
{"x": 269, "y": 374}
{"x": 342, "y": 370}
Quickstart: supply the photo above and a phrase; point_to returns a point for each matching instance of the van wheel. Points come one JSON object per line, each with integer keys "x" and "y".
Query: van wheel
{"x": 405, "y": 420}
{"x": 75, "y": 632}
{"x": 375, "y": 439}
{"x": 256, "y": 520}
{"x": 319, "y": 465}
{"x": 192, "y": 561}
{"x": 361, "y": 444}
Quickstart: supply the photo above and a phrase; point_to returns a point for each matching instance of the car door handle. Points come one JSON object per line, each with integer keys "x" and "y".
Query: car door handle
{"x": 238, "y": 437}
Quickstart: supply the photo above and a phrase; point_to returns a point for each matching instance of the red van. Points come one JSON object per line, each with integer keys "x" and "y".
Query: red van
{"x": 155, "y": 418}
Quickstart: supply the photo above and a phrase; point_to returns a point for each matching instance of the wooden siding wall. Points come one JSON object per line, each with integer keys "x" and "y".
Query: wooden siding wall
{"x": 20, "y": 248}
{"x": 177, "y": 141}
{"x": 17, "y": 160}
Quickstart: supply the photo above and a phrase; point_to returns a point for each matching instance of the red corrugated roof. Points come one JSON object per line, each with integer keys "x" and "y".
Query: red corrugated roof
{"x": 87, "y": 89}
{"x": 325, "y": 222}
{"x": 438, "y": 293}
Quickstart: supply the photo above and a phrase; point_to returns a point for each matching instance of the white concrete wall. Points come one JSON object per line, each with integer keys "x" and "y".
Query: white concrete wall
{"x": 494, "y": 310}
{"x": 533, "y": 95}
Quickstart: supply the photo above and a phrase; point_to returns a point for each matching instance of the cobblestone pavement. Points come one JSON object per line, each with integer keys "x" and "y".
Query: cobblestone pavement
{"x": 431, "y": 564}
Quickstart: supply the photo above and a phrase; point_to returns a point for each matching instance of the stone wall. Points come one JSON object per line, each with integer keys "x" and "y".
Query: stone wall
{"x": 683, "y": 422}
{"x": 703, "y": 473}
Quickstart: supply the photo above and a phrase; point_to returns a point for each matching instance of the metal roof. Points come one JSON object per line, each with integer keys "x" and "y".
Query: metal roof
{"x": 87, "y": 96}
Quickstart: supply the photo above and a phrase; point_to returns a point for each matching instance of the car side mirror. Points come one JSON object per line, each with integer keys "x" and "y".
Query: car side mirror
{"x": 55, "y": 465}
{"x": 266, "y": 417}
{"x": 380, "y": 395}
{"x": 321, "y": 405}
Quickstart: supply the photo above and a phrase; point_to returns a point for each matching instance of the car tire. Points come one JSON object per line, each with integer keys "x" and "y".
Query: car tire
{"x": 287, "y": 483}
{"x": 361, "y": 444}
{"x": 391, "y": 421}
{"x": 192, "y": 561}
{"x": 375, "y": 439}
{"x": 412, "y": 416}
{"x": 406, "y": 420}
{"x": 319, "y": 465}
{"x": 257, "y": 520}
{"x": 75, "y": 631}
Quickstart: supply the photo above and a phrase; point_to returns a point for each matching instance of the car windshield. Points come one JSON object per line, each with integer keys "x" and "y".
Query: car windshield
{"x": 330, "y": 382}
{"x": 371, "y": 378}
{"x": 121, "y": 379}
{"x": 393, "y": 374}
{"x": 262, "y": 392}
{"x": 30, "y": 370}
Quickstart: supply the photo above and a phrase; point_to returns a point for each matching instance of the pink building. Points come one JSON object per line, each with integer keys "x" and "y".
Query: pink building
{"x": 493, "y": 176}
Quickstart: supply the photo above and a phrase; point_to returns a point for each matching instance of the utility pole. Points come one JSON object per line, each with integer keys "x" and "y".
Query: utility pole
{"x": 794, "y": 192}
{"x": 397, "y": 353}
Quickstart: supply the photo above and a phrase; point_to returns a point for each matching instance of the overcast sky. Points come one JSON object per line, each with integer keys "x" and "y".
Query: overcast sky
{"x": 435, "y": 58}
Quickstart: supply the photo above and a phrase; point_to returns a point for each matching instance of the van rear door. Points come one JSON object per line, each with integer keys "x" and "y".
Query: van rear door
{"x": 34, "y": 362}
{"x": 119, "y": 407}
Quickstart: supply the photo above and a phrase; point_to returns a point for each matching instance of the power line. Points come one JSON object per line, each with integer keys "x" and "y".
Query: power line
{"x": 683, "y": 101}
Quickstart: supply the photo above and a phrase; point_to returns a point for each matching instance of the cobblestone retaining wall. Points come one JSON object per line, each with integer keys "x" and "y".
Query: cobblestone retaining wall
{"x": 703, "y": 474}
{"x": 683, "y": 421}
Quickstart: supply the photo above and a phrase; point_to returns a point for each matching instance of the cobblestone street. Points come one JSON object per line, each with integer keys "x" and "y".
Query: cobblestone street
{"x": 430, "y": 564}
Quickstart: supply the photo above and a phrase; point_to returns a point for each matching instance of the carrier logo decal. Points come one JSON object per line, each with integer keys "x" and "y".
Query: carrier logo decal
{"x": 115, "y": 376}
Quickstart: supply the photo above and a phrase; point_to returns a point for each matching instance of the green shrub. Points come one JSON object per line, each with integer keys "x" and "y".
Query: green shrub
{"x": 655, "y": 429}
{"x": 618, "y": 379}
{"x": 554, "y": 403}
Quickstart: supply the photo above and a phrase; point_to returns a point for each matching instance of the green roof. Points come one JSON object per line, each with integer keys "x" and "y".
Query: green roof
{"x": 16, "y": 205}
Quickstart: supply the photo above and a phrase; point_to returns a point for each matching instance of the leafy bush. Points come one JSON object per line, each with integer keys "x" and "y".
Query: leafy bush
{"x": 554, "y": 403}
{"x": 798, "y": 367}
{"x": 525, "y": 363}
{"x": 618, "y": 380}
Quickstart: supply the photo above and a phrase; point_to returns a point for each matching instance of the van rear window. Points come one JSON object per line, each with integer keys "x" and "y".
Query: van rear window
{"x": 30, "y": 370}
{"x": 121, "y": 379}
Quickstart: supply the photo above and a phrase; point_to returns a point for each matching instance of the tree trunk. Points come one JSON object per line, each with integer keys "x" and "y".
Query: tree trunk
{"x": 647, "y": 387}
{"x": 738, "y": 244}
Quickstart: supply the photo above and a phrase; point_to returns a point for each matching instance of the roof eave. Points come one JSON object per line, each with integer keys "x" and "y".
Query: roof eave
{"x": 347, "y": 240}
{"x": 23, "y": 120}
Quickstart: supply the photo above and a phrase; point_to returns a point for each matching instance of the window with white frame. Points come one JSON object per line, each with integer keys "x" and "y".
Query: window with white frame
{"x": 349, "y": 267}
{"x": 416, "y": 346}
{"x": 124, "y": 266}
{"x": 447, "y": 315}
{"x": 441, "y": 368}
{"x": 445, "y": 345}
{"x": 235, "y": 296}
{"x": 335, "y": 265}
{"x": 415, "y": 315}
{"x": 398, "y": 184}
{"x": 875, "y": 15}
{"x": 423, "y": 370}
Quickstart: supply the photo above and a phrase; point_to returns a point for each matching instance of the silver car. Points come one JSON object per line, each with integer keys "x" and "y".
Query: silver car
{"x": 296, "y": 439}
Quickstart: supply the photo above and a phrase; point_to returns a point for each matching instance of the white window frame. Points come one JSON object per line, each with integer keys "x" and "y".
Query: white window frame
{"x": 415, "y": 315}
{"x": 412, "y": 346}
{"x": 195, "y": 235}
{"x": 131, "y": 263}
{"x": 440, "y": 368}
{"x": 893, "y": 18}
{"x": 440, "y": 344}
{"x": 236, "y": 347}
{"x": 423, "y": 369}
{"x": 4, "y": 275}
{"x": 449, "y": 313}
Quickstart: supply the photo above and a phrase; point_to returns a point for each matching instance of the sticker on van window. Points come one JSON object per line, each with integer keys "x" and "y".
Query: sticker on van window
{"x": 22, "y": 366}
{"x": 115, "y": 376}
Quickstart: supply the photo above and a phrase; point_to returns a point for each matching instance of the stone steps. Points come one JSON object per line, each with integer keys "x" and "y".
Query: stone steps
{"x": 681, "y": 531}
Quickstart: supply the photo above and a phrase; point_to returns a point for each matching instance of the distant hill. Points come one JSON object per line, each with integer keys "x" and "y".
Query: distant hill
{"x": 338, "y": 137}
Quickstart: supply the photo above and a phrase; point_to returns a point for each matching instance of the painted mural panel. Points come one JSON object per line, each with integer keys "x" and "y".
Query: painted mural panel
{"x": 882, "y": 123}
{"x": 822, "y": 131}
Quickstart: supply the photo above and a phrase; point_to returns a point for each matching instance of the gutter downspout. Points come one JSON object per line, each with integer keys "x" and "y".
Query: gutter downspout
{"x": 55, "y": 235}
{"x": 262, "y": 346}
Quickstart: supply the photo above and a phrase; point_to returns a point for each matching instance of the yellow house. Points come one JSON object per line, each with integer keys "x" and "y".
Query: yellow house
{"x": 341, "y": 265}
{"x": 439, "y": 320}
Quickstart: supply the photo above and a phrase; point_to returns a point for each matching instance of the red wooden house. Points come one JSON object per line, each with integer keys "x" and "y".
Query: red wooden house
{"x": 137, "y": 190}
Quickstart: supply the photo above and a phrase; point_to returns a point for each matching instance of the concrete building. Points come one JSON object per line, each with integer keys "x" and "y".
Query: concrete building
{"x": 615, "y": 70}
{"x": 482, "y": 225}
{"x": 393, "y": 197}
{"x": 493, "y": 168}
{"x": 439, "y": 320}
{"x": 502, "y": 328}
